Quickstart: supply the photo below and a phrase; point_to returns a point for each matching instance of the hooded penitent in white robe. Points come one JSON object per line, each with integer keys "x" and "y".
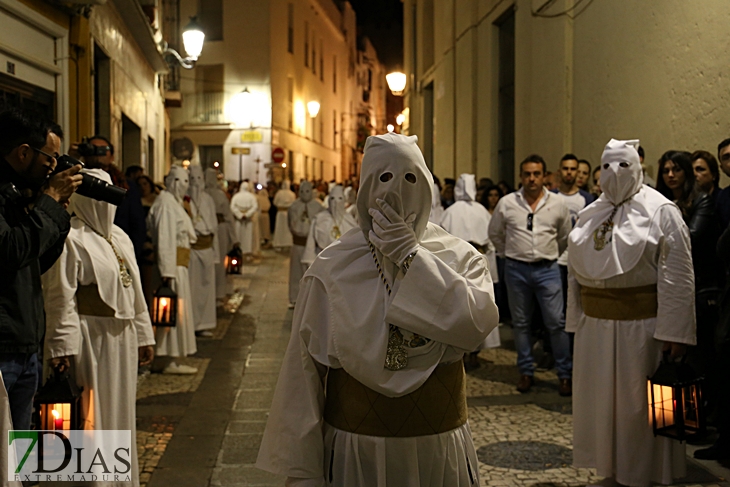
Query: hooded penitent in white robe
{"x": 301, "y": 213}
{"x": 104, "y": 345}
{"x": 226, "y": 234}
{"x": 6, "y": 424}
{"x": 350, "y": 203}
{"x": 437, "y": 209}
{"x": 173, "y": 233}
{"x": 328, "y": 225}
{"x": 264, "y": 206}
{"x": 244, "y": 206}
{"x": 341, "y": 322}
{"x": 283, "y": 200}
{"x": 648, "y": 244}
{"x": 469, "y": 221}
{"x": 204, "y": 253}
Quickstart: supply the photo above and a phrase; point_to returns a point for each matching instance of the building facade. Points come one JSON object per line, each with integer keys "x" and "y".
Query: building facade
{"x": 490, "y": 81}
{"x": 95, "y": 69}
{"x": 277, "y": 74}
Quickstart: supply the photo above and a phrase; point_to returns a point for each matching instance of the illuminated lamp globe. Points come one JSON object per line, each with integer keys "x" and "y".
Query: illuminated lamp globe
{"x": 400, "y": 119}
{"x": 390, "y": 127}
{"x": 396, "y": 82}
{"x": 193, "y": 38}
{"x": 313, "y": 108}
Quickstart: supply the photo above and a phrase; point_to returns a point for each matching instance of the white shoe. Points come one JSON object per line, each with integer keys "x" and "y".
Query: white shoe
{"x": 204, "y": 334}
{"x": 176, "y": 369}
{"x": 291, "y": 305}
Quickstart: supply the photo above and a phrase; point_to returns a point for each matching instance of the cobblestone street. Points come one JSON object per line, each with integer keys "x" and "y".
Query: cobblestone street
{"x": 205, "y": 429}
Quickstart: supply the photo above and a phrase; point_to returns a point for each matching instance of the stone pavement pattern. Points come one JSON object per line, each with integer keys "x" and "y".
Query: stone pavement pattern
{"x": 204, "y": 430}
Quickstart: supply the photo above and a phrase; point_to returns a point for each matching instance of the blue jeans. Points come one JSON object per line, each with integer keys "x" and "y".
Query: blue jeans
{"x": 20, "y": 374}
{"x": 543, "y": 282}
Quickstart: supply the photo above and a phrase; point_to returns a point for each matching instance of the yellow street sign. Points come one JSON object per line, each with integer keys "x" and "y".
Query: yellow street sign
{"x": 241, "y": 150}
{"x": 252, "y": 136}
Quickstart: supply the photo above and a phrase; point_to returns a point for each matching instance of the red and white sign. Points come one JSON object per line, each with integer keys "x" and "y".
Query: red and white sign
{"x": 277, "y": 155}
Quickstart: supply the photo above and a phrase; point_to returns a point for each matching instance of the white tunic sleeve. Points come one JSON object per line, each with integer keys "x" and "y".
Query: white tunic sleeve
{"x": 63, "y": 332}
{"x": 166, "y": 240}
{"x": 574, "y": 310}
{"x": 293, "y": 443}
{"x": 455, "y": 308}
{"x": 675, "y": 281}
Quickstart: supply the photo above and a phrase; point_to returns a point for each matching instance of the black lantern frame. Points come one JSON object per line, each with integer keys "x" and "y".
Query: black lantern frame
{"x": 58, "y": 404}
{"x": 675, "y": 401}
{"x": 234, "y": 261}
{"x": 164, "y": 306}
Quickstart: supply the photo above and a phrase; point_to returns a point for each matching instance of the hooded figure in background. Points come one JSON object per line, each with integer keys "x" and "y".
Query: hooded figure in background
{"x": 328, "y": 225}
{"x": 630, "y": 296}
{"x": 437, "y": 209}
{"x": 173, "y": 234}
{"x": 262, "y": 196}
{"x": 350, "y": 203}
{"x": 371, "y": 316}
{"x": 96, "y": 315}
{"x": 226, "y": 233}
{"x": 469, "y": 220}
{"x": 301, "y": 213}
{"x": 244, "y": 207}
{"x": 203, "y": 254}
{"x": 283, "y": 200}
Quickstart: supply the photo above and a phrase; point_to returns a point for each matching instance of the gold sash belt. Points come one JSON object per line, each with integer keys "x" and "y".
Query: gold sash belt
{"x": 297, "y": 240}
{"x": 183, "y": 256}
{"x": 438, "y": 406}
{"x": 89, "y": 302}
{"x": 203, "y": 242}
{"x": 622, "y": 304}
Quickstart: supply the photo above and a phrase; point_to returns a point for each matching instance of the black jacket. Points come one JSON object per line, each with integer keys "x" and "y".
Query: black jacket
{"x": 30, "y": 242}
{"x": 704, "y": 232}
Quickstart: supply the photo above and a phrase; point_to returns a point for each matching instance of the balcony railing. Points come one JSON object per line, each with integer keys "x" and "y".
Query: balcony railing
{"x": 208, "y": 107}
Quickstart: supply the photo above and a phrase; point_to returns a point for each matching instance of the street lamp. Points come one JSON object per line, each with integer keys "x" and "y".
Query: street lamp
{"x": 242, "y": 108}
{"x": 390, "y": 127}
{"x": 400, "y": 119}
{"x": 396, "y": 82}
{"x": 313, "y": 108}
{"x": 193, "y": 39}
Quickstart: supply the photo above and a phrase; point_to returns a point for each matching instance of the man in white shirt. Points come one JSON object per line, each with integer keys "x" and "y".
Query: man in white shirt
{"x": 530, "y": 228}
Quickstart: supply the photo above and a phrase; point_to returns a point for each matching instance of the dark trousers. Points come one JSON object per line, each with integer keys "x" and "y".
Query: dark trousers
{"x": 20, "y": 375}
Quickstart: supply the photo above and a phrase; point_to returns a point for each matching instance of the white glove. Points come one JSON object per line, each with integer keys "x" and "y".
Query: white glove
{"x": 391, "y": 234}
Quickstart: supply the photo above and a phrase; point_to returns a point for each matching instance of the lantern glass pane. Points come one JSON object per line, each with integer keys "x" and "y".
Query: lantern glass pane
{"x": 663, "y": 406}
{"x": 689, "y": 406}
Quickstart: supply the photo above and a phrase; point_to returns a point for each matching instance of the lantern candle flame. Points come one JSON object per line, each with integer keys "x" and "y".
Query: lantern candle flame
{"x": 57, "y": 420}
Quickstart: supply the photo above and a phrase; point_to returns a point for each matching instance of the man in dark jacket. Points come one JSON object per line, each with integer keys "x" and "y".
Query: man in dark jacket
{"x": 33, "y": 227}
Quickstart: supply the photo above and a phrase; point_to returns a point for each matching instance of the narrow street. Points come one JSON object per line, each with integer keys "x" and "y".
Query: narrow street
{"x": 204, "y": 430}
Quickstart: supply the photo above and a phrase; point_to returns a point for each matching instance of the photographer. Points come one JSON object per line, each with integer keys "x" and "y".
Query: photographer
{"x": 98, "y": 153}
{"x": 33, "y": 228}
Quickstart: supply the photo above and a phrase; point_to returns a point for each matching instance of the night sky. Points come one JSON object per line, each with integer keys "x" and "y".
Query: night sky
{"x": 382, "y": 22}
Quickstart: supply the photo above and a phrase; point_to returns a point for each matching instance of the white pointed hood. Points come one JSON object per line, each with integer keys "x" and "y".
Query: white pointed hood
{"x": 598, "y": 250}
{"x": 197, "y": 182}
{"x": 98, "y": 215}
{"x": 336, "y": 203}
{"x": 305, "y": 191}
{"x": 466, "y": 188}
{"x": 211, "y": 178}
{"x": 177, "y": 182}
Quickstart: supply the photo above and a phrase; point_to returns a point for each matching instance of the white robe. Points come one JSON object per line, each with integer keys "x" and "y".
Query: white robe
{"x": 244, "y": 206}
{"x": 6, "y": 424}
{"x": 300, "y": 216}
{"x": 202, "y": 264}
{"x": 322, "y": 234}
{"x": 171, "y": 228}
{"x": 612, "y": 360}
{"x": 283, "y": 200}
{"x": 226, "y": 236}
{"x": 297, "y": 442}
{"x": 264, "y": 205}
{"x": 105, "y": 349}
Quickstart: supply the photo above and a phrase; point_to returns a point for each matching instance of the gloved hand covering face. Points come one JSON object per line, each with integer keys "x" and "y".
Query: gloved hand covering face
{"x": 305, "y": 191}
{"x": 197, "y": 182}
{"x": 394, "y": 171}
{"x": 98, "y": 215}
{"x": 621, "y": 174}
{"x": 177, "y": 182}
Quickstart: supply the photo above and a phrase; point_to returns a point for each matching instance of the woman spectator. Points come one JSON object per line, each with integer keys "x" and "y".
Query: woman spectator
{"x": 596, "y": 190}
{"x": 149, "y": 192}
{"x": 491, "y": 197}
{"x": 707, "y": 173}
{"x": 505, "y": 187}
{"x": 584, "y": 173}
{"x": 677, "y": 182}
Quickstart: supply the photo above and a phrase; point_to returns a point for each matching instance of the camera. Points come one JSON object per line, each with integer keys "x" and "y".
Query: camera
{"x": 87, "y": 149}
{"x": 90, "y": 186}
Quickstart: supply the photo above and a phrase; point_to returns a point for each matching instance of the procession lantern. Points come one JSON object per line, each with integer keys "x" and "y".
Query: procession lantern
{"x": 675, "y": 401}
{"x": 58, "y": 404}
{"x": 164, "y": 306}
{"x": 234, "y": 261}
